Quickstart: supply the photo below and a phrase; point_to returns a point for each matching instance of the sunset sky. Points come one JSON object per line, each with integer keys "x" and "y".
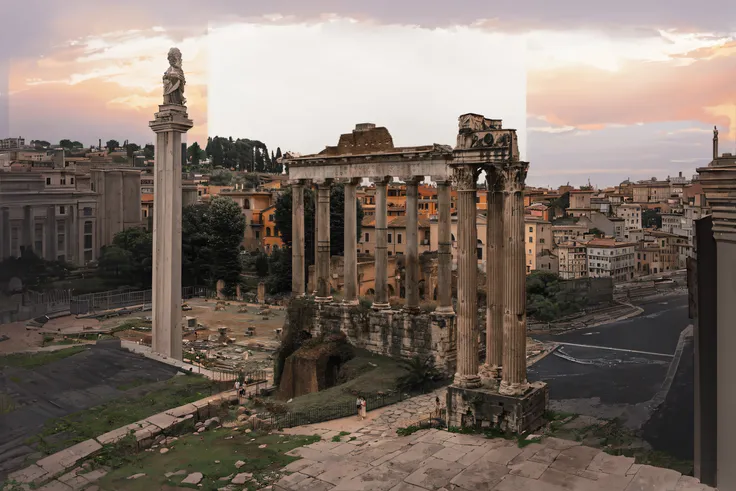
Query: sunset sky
{"x": 628, "y": 89}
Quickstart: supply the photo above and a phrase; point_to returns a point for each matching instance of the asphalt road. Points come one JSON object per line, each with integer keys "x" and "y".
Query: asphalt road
{"x": 615, "y": 370}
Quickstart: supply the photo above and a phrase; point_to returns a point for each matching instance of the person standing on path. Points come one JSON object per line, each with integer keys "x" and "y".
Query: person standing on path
{"x": 359, "y": 407}
{"x": 364, "y": 406}
{"x": 437, "y": 404}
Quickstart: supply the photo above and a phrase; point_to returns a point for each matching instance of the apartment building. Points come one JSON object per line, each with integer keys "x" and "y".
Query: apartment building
{"x": 572, "y": 260}
{"x": 608, "y": 258}
{"x": 538, "y": 238}
{"x": 631, "y": 213}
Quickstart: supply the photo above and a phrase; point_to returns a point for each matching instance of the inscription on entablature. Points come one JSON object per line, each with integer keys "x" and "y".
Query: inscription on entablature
{"x": 495, "y": 139}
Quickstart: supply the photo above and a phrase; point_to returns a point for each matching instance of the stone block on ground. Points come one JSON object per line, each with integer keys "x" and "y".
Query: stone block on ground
{"x": 31, "y": 474}
{"x": 193, "y": 478}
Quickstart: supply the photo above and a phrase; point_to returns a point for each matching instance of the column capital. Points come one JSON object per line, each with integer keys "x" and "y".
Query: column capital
{"x": 298, "y": 182}
{"x": 414, "y": 180}
{"x": 324, "y": 182}
{"x": 495, "y": 179}
{"x": 514, "y": 176}
{"x": 352, "y": 181}
{"x": 171, "y": 117}
{"x": 381, "y": 180}
{"x": 466, "y": 177}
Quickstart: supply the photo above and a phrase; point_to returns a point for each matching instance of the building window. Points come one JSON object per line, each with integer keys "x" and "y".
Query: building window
{"x": 92, "y": 186}
{"x": 48, "y": 181}
{"x": 88, "y": 239}
{"x": 367, "y": 237}
{"x": 87, "y": 211}
{"x": 145, "y": 213}
{"x": 531, "y": 230}
{"x": 72, "y": 180}
{"x": 398, "y": 238}
{"x": 389, "y": 238}
{"x": 60, "y": 238}
{"x": 258, "y": 235}
{"x": 14, "y": 233}
{"x": 271, "y": 218}
{"x": 268, "y": 232}
{"x": 541, "y": 241}
{"x": 62, "y": 210}
{"x": 63, "y": 181}
{"x": 531, "y": 240}
{"x": 87, "y": 256}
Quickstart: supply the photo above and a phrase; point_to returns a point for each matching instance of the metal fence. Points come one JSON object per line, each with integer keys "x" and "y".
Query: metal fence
{"x": 114, "y": 299}
{"x": 327, "y": 413}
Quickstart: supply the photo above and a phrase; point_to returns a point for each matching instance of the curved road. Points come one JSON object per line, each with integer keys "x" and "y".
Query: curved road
{"x": 616, "y": 369}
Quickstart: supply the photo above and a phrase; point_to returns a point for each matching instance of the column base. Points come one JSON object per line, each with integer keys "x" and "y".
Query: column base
{"x": 323, "y": 299}
{"x": 381, "y": 306}
{"x": 512, "y": 390}
{"x": 490, "y": 372}
{"x": 483, "y": 408}
{"x": 446, "y": 310}
{"x": 411, "y": 310}
{"x": 466, "y": 381}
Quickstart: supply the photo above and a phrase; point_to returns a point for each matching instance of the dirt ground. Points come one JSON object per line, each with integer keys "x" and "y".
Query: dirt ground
{"x": 237, "y": 323}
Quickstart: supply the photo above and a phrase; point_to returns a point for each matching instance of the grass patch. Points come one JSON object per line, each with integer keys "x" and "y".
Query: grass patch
{"x": 209, "y": 453}
{"x": 146, "y": 401}
{"x": 130, "y": 324}
{"x": 35, "y": 360}
{"x": 408, "y": 430}
{"x": 366, "y": 374}
{"x": 337, "y": 437}
{"x": 133, "y": 384}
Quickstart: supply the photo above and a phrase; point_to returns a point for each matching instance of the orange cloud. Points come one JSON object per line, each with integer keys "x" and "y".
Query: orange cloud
{"x": 589, "y": 98}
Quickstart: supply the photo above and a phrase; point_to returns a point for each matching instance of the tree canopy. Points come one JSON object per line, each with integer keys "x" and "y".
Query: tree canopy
{"x": 241, "y": 154}
{"x": 33, "y": 271}
{"x": 547, "y": 299}
{"x": 112, "y": 145}
{"x": 195, "y": 154}
{"x": 68, "y": 144}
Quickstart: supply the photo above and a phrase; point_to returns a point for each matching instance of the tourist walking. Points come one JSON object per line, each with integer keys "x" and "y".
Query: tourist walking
{"x": 359, "y": 407}
{"x": 363, "y": 406}
{"x": 437, "y": 404}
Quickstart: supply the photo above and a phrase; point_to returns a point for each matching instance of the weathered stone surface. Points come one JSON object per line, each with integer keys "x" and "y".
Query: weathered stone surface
{"x": 611, "y": 464}
{"x": 181, "y": 411}
{"x": 408, "y": 460}
{"x": 347, "y": 470}
{"x": 575, "y": 459}
{"x": 528, "y": 468}
{"x": 55, "y": 486}
{"x": 30, "y": 474}
{"x": 502, "y": 455}
{"x": 380, "y": 478}
{"x": 193, "y": 478}
{"x": 649, "y": 478}
{"x": 480, "y": 475}
{"x": 59, "y": 462}
{"x": 434, "y": 473}
{"x": 242, "y": 478}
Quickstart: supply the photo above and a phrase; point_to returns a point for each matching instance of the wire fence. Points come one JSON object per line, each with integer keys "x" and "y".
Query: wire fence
{"x": 333, "y": 411}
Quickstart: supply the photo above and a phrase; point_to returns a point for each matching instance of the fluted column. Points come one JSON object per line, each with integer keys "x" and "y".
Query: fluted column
{"x": 494, "y": 273}
{"x": 297, "y": 239}
{"x": 513, "y": 380}
{"x": 322, "y": 257}
{"x": 444, "y": 250}
{"x": 28, "y": 236}
{"x": 467, "y": 277}
{"x": 412, "y": 244}
{"x": 351, "y": 241}
{"x": 50, "y": 234}
{"x": 381, "y": 281}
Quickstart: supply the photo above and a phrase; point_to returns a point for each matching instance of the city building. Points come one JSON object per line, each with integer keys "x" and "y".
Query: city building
{"x": 538, "y": 238}
{"x": 608, "y": 258}
{"x": 631, "y": 213}
{"x": 572, "y": 260}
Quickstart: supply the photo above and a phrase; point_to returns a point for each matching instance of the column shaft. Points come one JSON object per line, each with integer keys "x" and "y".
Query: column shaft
{"x": 444, "y": 252}
{"x": 50, "y": 229}
{"x": 381, "y": 280}
{"x": 351, "y": 241}
{"x": 29, "y": 230}
{"x": 5, "y": 235}
{"x": 514, "y": 380}
{"x": 323, "y": 242}
{"x": 297, "y": 239}
{"x": 412, "y": 245}
{"x": 467, "y": 275}
{"x": 494, "y": 274}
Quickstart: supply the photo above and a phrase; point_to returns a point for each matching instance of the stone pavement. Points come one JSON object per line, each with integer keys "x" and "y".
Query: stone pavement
{"x": 372, "y": 460}
{"x": 405, "y": 413}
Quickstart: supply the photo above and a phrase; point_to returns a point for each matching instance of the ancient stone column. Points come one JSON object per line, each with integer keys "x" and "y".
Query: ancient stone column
{"x": 467, "y": 278}
{"x": 50, "y": 234}
{"x": 29, "y": 229}
{"x": 297, "y": 239}
{"x": 513, "y": 380}
{"x": 412, "y": 244}
{"x": 494, "y": 273}
{"x": 381, "y": 299}
{"x": 5, "y": 234}
{"x": 169, "y": 124}
{"x": 351, "y": 242}
{"x": 322, "y": 266}
{"x": 444, "y": 250}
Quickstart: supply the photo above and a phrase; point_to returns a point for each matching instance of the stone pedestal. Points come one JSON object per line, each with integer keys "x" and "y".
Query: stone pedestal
{"x": 169, "y": 124}
{"x": 483, "y": 408}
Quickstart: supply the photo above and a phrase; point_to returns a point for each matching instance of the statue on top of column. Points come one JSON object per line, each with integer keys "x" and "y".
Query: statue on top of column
{"x": 174, "y": 80}
{"x": 715, "y": 132}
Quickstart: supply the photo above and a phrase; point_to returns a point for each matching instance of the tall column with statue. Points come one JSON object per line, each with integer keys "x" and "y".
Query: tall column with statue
{"x": 170, "y": 123}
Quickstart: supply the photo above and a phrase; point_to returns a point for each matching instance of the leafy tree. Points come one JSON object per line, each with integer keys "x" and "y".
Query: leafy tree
{"x": 651, "y": 218}
{"x": 597, "y": 232}
{"x": 66, "y": 144}
{"x": 195, "y": 153}
{"x": 547, "y": 299}
{"x": 129, "y": 258}
{"x": 77, "y": 144}
{"x": 40, "y": 144}
{"x": 227, "y": 226}
{"x": 34, "y": 272}
{"x": 337, "y": 219}
{"x": 242, "y": 154}
{"x": 562, "y": 203}
{"x": 279, "y": 271}
{"x": 196, "y": 250}
{"x": 149, "y": 151}
{"x": 112, "y": 145}
{"x": 262, "y": 265}
{"x": 221, "y": 177}
{"x": 130, "y": 149}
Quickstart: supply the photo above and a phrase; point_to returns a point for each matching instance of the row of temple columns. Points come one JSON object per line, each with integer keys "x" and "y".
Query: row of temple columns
{"x": 28, "y": 237}
{"x": 322, "y": 256}
{"x": 505, "y": 279}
